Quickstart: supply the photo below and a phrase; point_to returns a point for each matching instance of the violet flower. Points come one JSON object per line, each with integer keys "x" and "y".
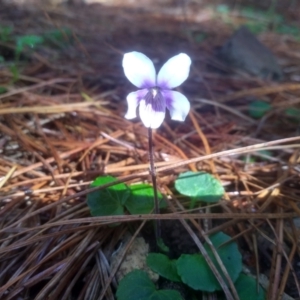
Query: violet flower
{"x": 155, "y": 94}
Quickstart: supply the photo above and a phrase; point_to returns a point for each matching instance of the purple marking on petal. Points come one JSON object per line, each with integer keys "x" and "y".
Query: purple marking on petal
{"x": 148, "y": 84}
{"x": 156, "y": 99}
{"x": 177, "y": 104}
{"x": 152, "y": 109}
{"x": 133, "y": 100}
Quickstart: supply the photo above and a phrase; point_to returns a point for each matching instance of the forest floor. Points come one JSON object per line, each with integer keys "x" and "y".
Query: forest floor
{"x": 62, "y": 106}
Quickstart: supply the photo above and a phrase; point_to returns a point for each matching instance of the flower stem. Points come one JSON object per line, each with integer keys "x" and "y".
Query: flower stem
{"x": 153, "y": 177}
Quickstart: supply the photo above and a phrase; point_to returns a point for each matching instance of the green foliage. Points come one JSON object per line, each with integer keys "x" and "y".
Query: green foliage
{"x": 137, "y": 199}
{"x": 163, "y": 266}
{"x": 199, "y": 37}
{"x": 162, "y": 246}
{"x": 196, "y": 273}
{"x": 289, "y": 30}
{"x": 200, "y": 186}
{"x": 3, "y": 90}
{"x": 15, "y": 72}
{"x": 246, "y": 288}
{"x": 27, "y": 41}
{"x": 141, "y": 198}
{"x": 260, "y": 20}
{"x": 267, "y": 16}
{"x": 223, "y": 9}
{"x": 256, "y": 27}
{"x": 293, "y": 113}
{"x": 58, "y": 36}
{"x": 258, "y": 108}
{"x": 265, "y": 153}
{"x": 109, "y": 201}
{"x": 137, "y": 286}
{"x": 5, "y": 33}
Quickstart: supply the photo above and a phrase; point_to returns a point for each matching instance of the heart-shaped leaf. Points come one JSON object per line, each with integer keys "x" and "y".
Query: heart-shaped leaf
{"x": 3, "y": 90}
{"x": 136, "y": 285}
{"x": 293, "y": 112}
{"x": 30, "y": 41}
{"x": 246, "y": 288}
{"x": 258, "y": 108}
{"x": 109, "y": 201}
{"x": 165, "y": 267}
{"x": 196, "y": 273}
{"x": 162, "y": 246}
{"x": 200, "y": 186}
{"x": 141, "y": 199}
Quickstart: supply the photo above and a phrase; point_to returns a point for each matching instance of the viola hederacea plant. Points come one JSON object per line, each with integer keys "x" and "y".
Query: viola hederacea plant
{"x": 154, "y": 96}
{"x": 155, "y": 92}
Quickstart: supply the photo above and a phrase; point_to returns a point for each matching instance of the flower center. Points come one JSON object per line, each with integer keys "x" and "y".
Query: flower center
{"x": 153, "y": 95}
{"x": 155, "y": 99}
{"x": 154, "y": 91}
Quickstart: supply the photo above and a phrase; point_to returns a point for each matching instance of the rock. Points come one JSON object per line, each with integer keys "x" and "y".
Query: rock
{"x": 245, "y": 52}
{"x": 134, "y": 259}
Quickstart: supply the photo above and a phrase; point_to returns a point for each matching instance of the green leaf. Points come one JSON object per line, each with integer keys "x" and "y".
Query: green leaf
{"x": 136, "y": 285}
{"x": 258, "y": 109}
{"x": 141, "y": 199}
{"x": 223, "y": 9}
{"x": 293, "y": 112}
{"x": 15, "y": 72}
{"x": 3, "y": 90}
{"x": 199, "y": 37}
{"x": 109, "y": 201}
{"x": 5, "y": 33}
{"x": 246, "y": 288}
{"x": 229, "y": 254}
{"x": 165, "y": 267}
{"x": 199, "y": 185}
{"x": 30, "y": 41}
{"x": 265, "y": 152}
{"x": 196, "y": 273}
{"x": 162, "y": 246}
{"x": 257, "y": 27}
{"x": 166, "y": 295}
{"x": 288, "y": 29}
{"x": 59, "y": 37}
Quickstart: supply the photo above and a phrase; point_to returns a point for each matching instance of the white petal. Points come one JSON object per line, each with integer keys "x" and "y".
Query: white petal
{"x": 174, "y": 72}
{"x": 133, "y": 100}
{"x": 150, "y": 117}
{"x": 139, "y": 70}
{"x": 177, "y": 104}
